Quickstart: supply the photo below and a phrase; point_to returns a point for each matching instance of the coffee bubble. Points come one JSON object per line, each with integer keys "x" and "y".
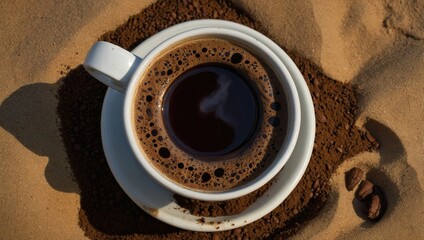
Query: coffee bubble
{"x": 274, "y": 121}
{"x": 236, "y": 58}
{"x": 219, "y": 172}
{"x": 276, "y": 106}
{"x": 164, "y": 152}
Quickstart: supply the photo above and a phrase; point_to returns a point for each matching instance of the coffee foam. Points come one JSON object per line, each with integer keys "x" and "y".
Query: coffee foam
{"x": 181, "y": 167}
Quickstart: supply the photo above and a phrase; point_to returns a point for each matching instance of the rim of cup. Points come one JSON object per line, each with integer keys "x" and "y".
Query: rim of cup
{"x": 263, "y": 53}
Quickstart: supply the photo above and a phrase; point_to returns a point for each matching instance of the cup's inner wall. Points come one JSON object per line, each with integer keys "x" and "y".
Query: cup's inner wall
{"x": 217, "y": 172}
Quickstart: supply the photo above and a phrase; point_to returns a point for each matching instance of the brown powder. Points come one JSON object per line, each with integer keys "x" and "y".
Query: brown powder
{"x": 106, "y": 212}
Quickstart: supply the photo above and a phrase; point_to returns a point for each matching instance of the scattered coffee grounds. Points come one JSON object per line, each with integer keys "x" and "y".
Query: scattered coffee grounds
{"x": 106, "y": 212}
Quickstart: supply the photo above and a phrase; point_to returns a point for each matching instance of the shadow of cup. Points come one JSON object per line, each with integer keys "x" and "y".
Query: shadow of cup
{"x": 29, "y": 114}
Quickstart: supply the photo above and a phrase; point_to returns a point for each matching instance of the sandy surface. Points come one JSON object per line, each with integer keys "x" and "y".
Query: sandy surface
{"x": 379, "y": 46}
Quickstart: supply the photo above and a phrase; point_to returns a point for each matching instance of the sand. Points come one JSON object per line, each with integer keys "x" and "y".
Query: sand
{"x": 377, "y": 46}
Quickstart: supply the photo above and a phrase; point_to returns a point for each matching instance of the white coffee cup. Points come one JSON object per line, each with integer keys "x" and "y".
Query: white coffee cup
{"x": 122, "y": 71}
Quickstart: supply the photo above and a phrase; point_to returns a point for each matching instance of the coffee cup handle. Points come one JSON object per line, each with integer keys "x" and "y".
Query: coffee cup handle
{"x": 111, "y": 64}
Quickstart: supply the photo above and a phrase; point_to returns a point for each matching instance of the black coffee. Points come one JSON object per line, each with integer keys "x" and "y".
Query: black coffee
{"x": 209, "y": 114}
{"x": 211, "y": 110}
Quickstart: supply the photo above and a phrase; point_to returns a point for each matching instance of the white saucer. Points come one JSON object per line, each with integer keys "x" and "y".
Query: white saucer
{"x": 158, "y": 201}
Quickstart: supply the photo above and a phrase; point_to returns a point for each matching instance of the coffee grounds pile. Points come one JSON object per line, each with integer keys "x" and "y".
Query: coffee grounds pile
{"x": 106, "y": 212}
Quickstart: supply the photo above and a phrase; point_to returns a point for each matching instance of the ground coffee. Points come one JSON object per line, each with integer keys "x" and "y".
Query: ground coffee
{"x": 107, "y": 213}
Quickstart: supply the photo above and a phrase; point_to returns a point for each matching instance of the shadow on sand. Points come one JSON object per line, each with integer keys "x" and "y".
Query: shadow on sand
{"x": 29, "y": 114}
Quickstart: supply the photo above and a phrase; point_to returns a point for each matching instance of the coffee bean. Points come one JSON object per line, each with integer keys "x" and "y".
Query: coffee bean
{"x": 353, "y": 177}
{"x": 382, "y": 207}
{"x": 365, "y": 189}
{"x": 375, "y": 207}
